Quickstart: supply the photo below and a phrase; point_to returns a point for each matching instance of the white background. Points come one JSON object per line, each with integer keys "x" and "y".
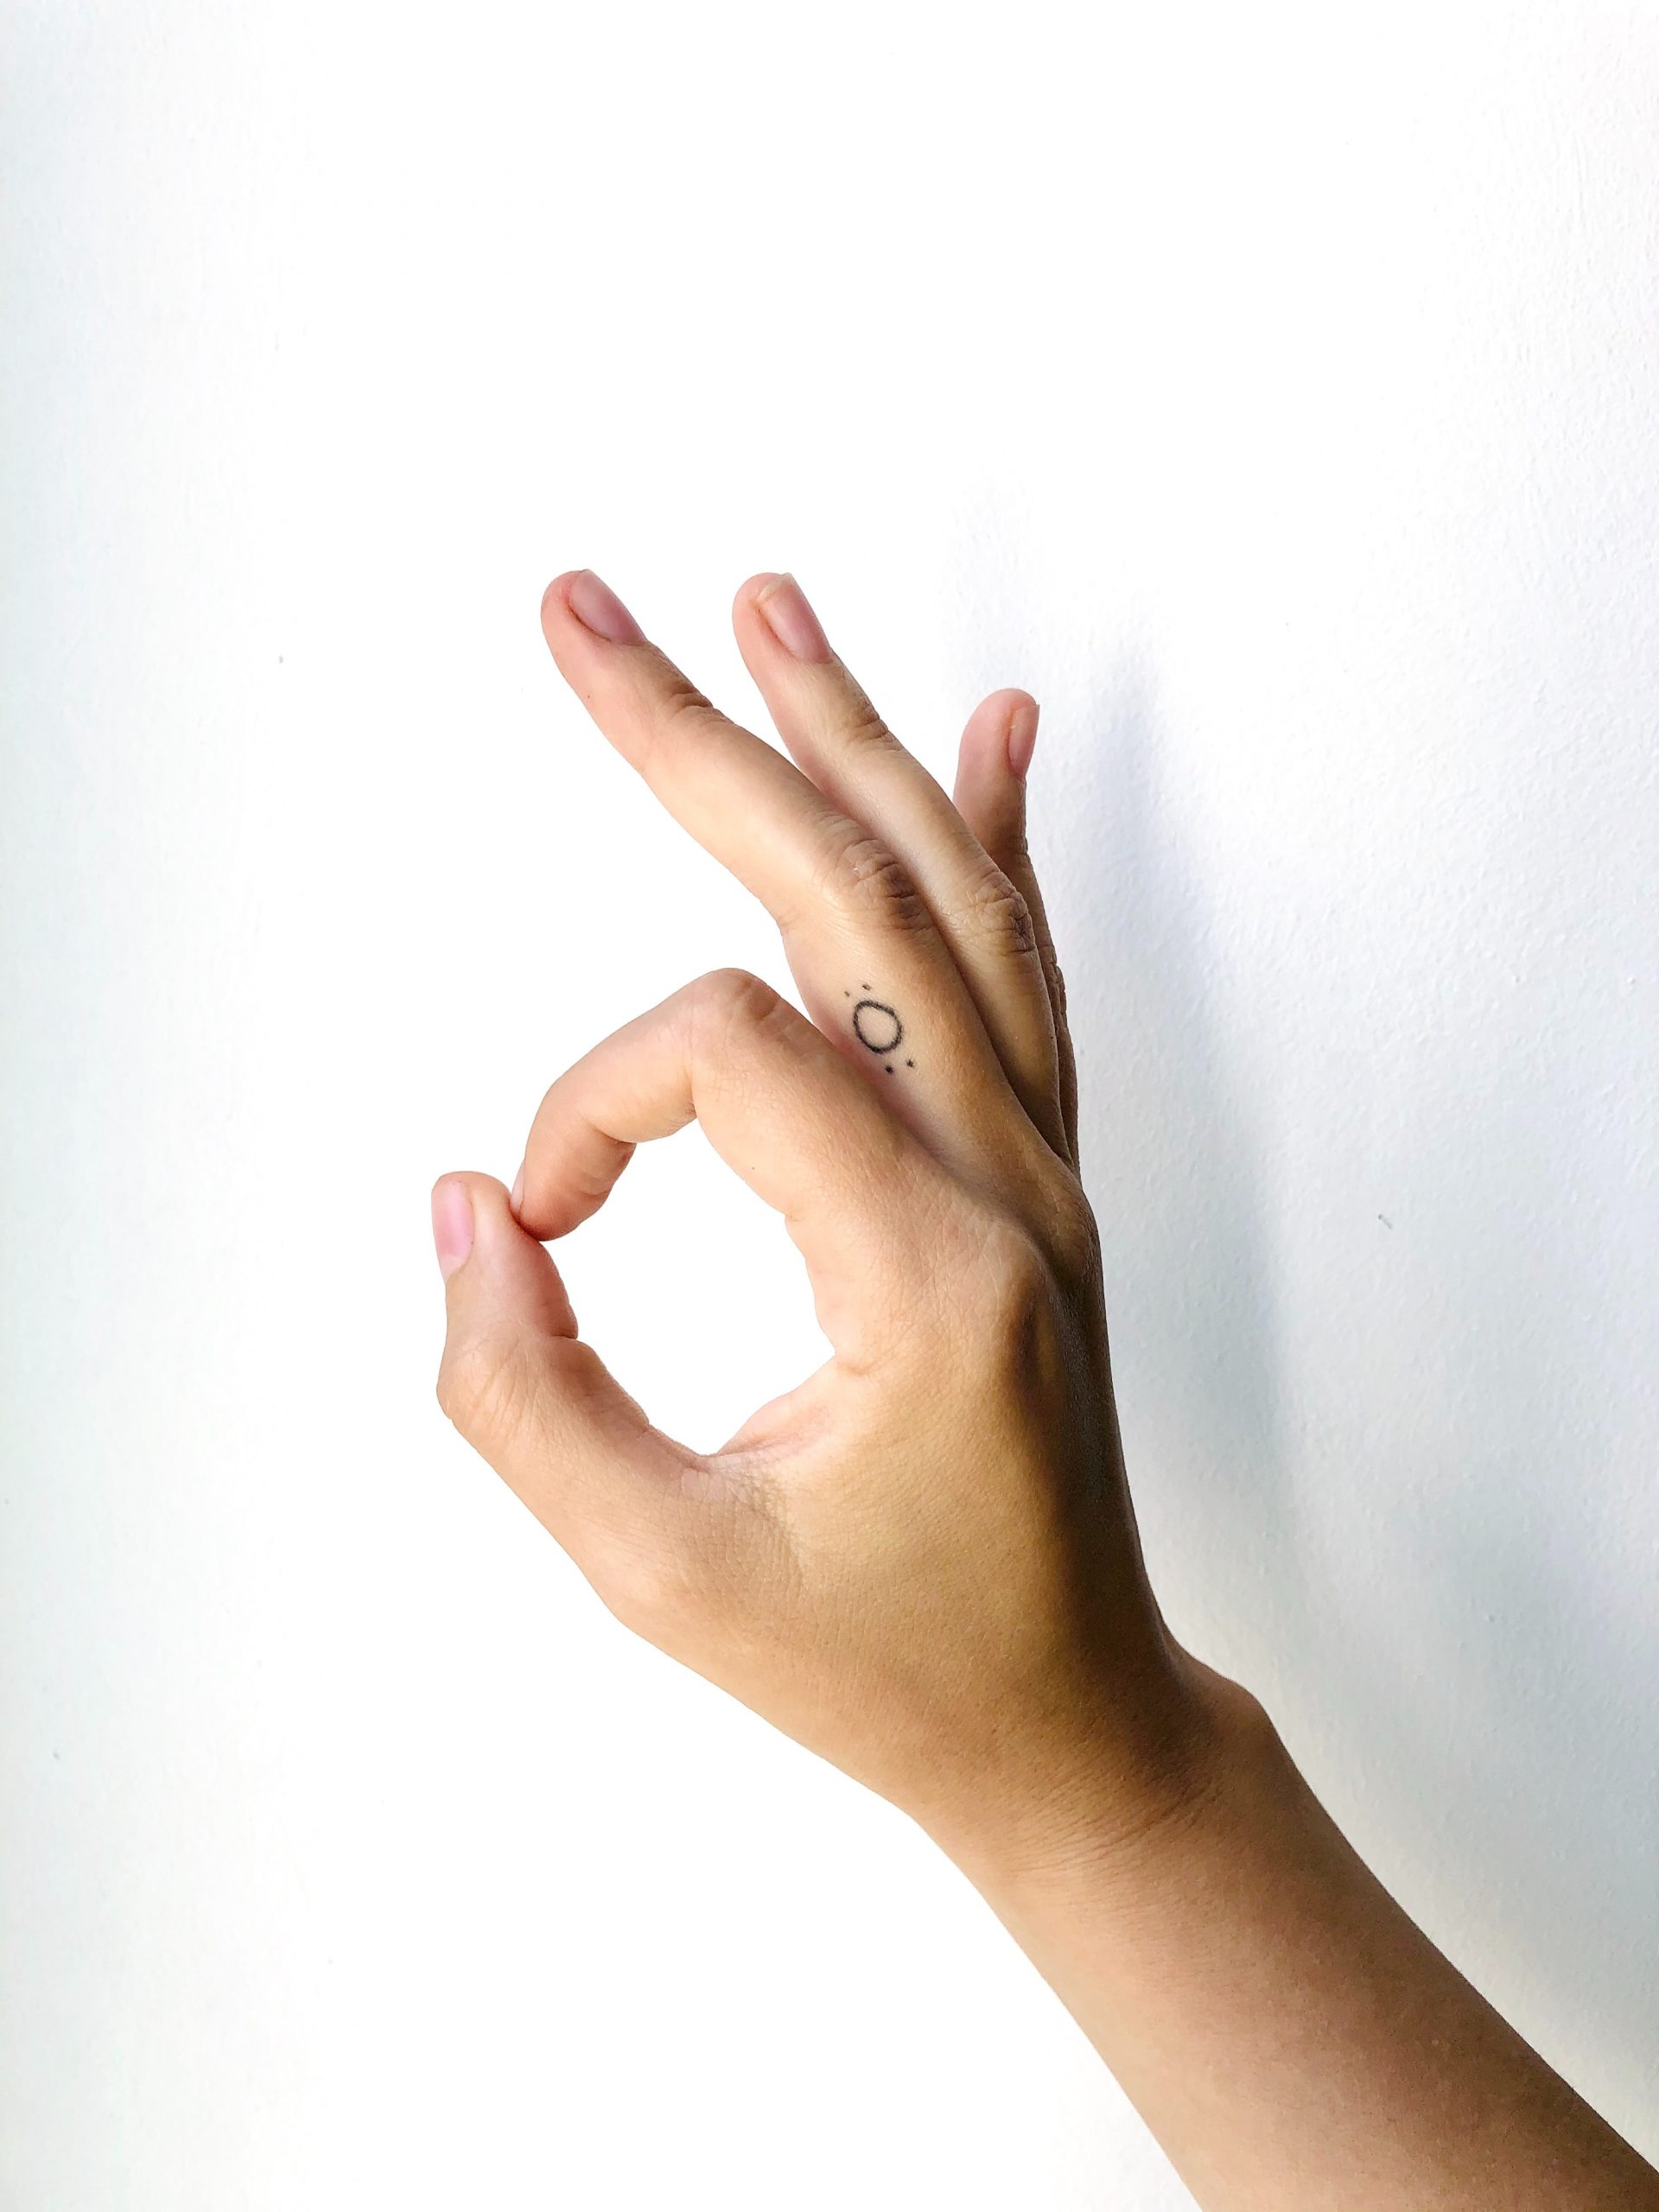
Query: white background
{"x": 1271, "y": 390}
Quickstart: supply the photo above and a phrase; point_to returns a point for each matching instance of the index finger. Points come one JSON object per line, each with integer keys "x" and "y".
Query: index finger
{"x": 781, "y": 1107}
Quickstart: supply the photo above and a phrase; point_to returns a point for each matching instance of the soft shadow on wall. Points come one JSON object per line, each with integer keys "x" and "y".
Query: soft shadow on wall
{"x": 1499, "y": 1769}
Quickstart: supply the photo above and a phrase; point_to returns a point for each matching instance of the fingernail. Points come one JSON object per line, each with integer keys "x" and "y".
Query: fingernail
{"x": 516, "y": 1193}
{"x": 1022, "y": 738}
{"x": 452, "y": 1225}
{"x": 792, "y": 622}
{"x": 597, "y": 608}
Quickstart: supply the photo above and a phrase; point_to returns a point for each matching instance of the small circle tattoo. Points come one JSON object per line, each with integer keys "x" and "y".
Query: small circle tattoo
{"x": 877, "y": 1027}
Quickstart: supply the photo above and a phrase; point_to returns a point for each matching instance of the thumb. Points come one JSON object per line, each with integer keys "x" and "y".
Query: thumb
{"x": 539, "y": 1405}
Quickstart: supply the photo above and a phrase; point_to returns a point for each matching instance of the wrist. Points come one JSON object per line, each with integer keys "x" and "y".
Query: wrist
{"x": 1088, "y": 1809}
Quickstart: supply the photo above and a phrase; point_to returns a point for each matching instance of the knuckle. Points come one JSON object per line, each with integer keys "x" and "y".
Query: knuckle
{"x": 731, "y": 998}
{"x": 999, "y": 917}
{"x": 997, "y": 1265}
{"x": 1016, "y": 1270}
{"x": 866, "y": 882}
{"x": 1021, "y": 1270}
{"x": 682, "y": 707}
{"x": 1018, "y": 1300}
{"x": 658, "y": 1592}
{"x": 861, "y": 725}
{"x": 1074, "y": 1235}
{"x": 683, "y": 703}
{"x": 484, "y": 1388}
{"x": 1012, "y": 852}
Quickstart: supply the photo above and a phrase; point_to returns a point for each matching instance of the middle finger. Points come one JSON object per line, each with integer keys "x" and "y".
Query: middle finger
{"x": 825, "y": 718}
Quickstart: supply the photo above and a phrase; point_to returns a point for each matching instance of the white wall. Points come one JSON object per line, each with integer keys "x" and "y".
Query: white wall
{"x": 1271, "y": 390}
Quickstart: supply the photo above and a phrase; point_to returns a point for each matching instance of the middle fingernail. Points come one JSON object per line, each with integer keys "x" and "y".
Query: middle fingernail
{"x": 792, "y": 620}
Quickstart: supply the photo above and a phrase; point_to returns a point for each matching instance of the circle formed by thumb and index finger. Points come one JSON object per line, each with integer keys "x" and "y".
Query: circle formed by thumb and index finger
{"x": 783, "y": 1107}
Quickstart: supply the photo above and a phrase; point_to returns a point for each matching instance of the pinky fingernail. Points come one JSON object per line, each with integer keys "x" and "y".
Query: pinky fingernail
{"x": 1022, "y": 738}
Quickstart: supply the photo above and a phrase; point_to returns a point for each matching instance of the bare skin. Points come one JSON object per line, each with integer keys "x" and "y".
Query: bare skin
{"x": 923, "y": 1562}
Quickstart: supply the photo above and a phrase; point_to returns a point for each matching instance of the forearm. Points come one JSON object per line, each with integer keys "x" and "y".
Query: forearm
{"x": 1287, "y": 2033}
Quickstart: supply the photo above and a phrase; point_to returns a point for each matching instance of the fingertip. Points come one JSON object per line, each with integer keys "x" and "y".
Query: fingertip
{"x": 452, "y": 1225}
{"x": 588, "y": 600}
{"x": 489, "y": 1199}
{"x": 556, "y": 598}
{"x": 996, "y": 749}
{"x": 1007, "y": 724}
{"x": 1023, "y": 714}
{"x": 469, "y": 1204}
{"x": 748, "y": 592}
{"x": 1012, "y": 697}
{"x": 786, "y": 616}
{"x": 510, "y": 1266}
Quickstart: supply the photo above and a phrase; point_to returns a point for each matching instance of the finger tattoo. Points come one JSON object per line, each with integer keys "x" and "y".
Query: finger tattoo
{"x": 878, "y": 1028}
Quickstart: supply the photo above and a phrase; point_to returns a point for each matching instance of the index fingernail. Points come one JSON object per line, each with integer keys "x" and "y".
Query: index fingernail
{"x": 597, "y": 608}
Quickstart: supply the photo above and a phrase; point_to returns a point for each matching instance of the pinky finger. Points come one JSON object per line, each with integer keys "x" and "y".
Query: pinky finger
{"x": 990, "y": 796}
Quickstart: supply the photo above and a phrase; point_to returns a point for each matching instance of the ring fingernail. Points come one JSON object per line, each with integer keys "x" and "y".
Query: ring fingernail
{"x": 792, "y": 620}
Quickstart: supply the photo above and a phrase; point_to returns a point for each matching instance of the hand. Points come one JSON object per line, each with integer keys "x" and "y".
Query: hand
{"x": 922, "y": 1562}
